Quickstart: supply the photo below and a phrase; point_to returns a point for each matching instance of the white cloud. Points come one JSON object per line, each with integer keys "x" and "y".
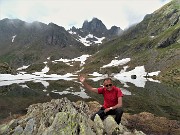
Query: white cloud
{"x": 68, "y": 13}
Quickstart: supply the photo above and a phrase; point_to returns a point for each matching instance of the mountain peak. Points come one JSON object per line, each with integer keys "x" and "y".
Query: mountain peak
{"x": 94, "y": 32}
{"x": 94, "y": 26}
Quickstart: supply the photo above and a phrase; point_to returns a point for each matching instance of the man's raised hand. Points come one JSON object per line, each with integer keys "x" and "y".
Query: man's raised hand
{"x": 81, "y": 79}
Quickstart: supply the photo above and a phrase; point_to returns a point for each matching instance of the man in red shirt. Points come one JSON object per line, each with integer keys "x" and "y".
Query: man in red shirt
{"x": 112, "y": 99}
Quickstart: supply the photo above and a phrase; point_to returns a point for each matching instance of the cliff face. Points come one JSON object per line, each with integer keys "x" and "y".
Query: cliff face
{"x": 24, "y": 43}
{"x": 61, "y": 116}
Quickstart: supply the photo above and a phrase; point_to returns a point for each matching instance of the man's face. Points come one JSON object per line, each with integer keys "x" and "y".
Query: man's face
{"x": 108, "y": 84}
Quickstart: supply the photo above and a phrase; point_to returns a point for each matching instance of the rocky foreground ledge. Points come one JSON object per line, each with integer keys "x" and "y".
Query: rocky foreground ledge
{"x": 63, "y": 117}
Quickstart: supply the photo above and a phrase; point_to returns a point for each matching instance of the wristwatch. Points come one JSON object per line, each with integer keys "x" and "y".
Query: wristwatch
{"x": 110, "y": 108}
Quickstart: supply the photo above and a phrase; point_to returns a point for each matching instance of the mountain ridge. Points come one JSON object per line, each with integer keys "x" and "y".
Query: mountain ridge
{"x": 154, "y": 43}
{"x": 21, "y": 42}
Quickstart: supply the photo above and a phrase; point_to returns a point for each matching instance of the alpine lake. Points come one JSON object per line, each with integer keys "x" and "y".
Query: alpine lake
{"x": 157, "y": 98}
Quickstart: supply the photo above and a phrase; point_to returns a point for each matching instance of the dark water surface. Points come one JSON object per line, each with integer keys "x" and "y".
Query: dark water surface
{"x": 157, "y": 98}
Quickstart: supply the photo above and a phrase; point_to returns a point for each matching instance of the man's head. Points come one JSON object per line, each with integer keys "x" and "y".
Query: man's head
{"x": 108, "y": 83}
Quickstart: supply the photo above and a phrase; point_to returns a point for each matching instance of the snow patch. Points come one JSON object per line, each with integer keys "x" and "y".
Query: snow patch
{"x": 13, "y": 37}
{"x": 117, "y": 62}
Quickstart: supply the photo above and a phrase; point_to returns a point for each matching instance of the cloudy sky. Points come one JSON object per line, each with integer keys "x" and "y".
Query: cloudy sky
{"x": 68, "y": 13}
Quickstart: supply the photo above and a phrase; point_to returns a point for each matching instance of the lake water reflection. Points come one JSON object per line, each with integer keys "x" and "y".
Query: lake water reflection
{"x": 154, "y": 97}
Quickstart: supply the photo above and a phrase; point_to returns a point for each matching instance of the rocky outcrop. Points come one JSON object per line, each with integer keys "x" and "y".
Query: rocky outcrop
{"x": 63, "y": 117}
{"x": 95, "y": 26}
{"x": 115, "y": 31}
{"x": 170, "y": 40}
{"x": 57, "y": 36}
{"x": 6, "y": 69}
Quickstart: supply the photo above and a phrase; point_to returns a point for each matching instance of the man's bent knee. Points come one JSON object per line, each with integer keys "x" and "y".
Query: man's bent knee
{"x": 119, "y": 110}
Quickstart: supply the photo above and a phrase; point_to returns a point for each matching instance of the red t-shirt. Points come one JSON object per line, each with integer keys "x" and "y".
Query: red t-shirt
{"x": 110, "y": 97}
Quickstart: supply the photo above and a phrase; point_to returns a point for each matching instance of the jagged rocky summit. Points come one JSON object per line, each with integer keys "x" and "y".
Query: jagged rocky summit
{"x": 63, "y": 117}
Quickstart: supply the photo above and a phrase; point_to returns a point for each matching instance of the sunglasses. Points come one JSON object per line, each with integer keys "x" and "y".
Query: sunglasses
{"x": 108, "y": 85}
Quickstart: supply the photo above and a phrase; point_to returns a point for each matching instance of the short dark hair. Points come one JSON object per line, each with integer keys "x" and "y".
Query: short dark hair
{"x": 107, "y": 79}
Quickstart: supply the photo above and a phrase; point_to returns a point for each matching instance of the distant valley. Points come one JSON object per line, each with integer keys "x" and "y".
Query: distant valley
{"x": 152, "y": 43}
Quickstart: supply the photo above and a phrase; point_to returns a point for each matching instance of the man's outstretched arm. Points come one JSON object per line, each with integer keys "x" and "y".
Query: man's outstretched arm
{"x": 86, "y": 85}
